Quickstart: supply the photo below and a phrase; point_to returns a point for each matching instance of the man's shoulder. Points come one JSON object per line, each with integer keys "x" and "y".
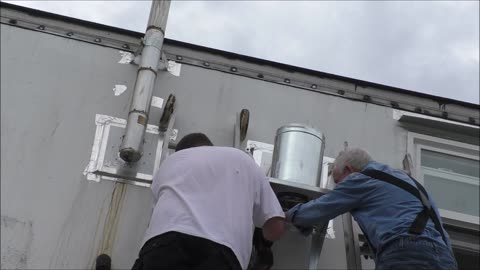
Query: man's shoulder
{"x": 374, "y": 165}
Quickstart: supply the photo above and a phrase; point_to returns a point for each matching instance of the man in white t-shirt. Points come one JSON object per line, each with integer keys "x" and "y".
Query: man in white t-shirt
{"x": 207, "y": 201}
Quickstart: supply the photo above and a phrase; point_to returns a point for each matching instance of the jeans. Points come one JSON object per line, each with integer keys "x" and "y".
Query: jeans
{"x": 178, "y": 251}
{"x": 415, "y": 253}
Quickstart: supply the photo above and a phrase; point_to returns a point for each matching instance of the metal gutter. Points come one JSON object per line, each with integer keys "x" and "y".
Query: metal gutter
{"x": 39, "y": 13}
{"x": 254, "y": 68}
{"x": 321, "y": 74}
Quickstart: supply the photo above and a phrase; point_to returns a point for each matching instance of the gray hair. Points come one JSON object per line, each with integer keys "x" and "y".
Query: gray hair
{"x": 356, "y": 157}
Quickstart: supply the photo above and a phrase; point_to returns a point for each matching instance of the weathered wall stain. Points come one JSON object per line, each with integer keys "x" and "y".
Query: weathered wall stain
{"x": 111, "y": 219}
{"x": 76, "y": 239}
{"x": 16, "y": 241}
{"x": 93, "y": 254}
{"x": 58, "y": 257}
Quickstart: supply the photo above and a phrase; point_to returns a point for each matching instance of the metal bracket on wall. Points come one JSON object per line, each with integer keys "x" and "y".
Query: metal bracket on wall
{"x": 105, "y": 162}
{"x": 241, "y": 128}
{"x": 167, "y": 134}
{"x": 162, "y": 64}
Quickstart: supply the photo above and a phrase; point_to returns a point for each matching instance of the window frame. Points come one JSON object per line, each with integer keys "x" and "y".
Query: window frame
{"x": 417, "y": 142}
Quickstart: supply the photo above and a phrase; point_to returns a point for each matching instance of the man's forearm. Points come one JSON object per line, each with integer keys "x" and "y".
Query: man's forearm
{"x": 314, "y": 212}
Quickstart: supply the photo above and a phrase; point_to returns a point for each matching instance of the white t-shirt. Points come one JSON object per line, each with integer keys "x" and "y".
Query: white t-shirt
{"x": 216, "y": 193}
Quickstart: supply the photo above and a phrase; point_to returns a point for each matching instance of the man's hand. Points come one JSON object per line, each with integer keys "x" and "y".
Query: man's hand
{"x": 274, "y": 228}
{"x": 289, "y": 217}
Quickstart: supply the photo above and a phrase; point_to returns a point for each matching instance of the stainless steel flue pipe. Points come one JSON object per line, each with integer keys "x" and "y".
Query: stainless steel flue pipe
{"x": 132, "y": 143}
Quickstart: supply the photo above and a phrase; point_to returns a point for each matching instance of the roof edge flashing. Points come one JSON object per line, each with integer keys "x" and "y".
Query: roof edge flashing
{"x": 128, "y": 34}
{"x": 435, "y": 122}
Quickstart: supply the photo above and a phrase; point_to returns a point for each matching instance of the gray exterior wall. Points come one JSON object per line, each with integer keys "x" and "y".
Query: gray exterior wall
{"x": 51, "y": 89}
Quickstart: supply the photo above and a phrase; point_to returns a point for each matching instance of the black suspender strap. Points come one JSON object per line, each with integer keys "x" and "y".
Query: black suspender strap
{"x": 421, "y": 220}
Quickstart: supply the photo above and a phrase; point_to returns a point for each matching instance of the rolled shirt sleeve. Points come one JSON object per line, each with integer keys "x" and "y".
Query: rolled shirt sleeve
{"x": 266, "y": 205}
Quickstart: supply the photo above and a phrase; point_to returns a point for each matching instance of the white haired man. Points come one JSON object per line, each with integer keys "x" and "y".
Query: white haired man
{"x": 396, "y": 214}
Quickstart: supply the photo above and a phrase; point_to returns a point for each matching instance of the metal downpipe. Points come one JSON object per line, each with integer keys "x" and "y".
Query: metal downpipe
{"x": 132, "y": 142}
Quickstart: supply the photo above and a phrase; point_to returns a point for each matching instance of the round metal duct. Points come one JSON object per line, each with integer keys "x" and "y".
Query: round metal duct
{"x": 298, "y": 154}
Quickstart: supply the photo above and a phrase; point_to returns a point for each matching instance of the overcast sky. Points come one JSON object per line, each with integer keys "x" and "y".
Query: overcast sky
{"x": 424, "y": 46}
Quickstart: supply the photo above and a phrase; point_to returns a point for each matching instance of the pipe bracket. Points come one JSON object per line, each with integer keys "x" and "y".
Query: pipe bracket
{"x": 153, "y": 38}
{"x": 148, "y": 68}
{"x": 156, "y": 28}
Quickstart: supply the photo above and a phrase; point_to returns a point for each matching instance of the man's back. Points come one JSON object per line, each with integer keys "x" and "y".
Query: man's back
{"x": 387, "y": 211}
{"x": 213, "y": 193}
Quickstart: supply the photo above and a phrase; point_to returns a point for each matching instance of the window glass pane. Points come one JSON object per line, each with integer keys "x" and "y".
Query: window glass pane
{"x": 453, "y": 181}
{"x": 450, "y": 163}
{"x": 454, "y": 196}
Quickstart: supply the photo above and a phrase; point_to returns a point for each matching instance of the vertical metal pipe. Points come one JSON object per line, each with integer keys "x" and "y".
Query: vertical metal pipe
{"x": 131, "y": 147}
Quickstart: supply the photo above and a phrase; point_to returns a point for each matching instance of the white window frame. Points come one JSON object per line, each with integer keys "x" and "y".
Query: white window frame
{"x": 417, "y": 142}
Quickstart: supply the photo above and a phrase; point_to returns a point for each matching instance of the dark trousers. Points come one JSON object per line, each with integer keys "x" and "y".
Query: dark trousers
{"x": 178, "y": 251}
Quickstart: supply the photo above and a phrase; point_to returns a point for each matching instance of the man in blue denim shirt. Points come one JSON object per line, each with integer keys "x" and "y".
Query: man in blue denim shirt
{"x": 384, "y": 212}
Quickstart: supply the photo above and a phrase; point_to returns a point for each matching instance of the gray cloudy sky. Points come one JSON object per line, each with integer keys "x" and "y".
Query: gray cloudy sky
{"x": 430, "y": 47}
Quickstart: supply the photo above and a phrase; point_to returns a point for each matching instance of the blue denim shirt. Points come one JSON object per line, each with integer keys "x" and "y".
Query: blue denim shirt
{"x": 383, "y": 211}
